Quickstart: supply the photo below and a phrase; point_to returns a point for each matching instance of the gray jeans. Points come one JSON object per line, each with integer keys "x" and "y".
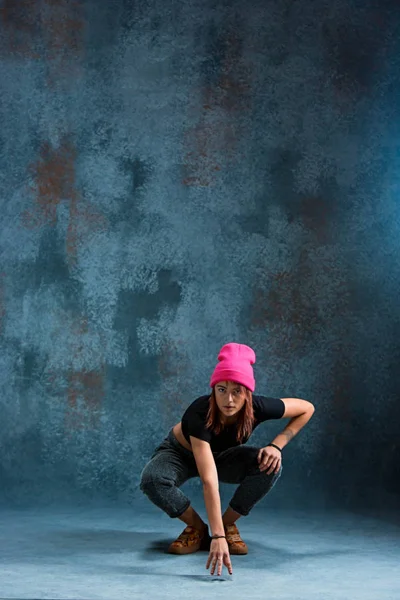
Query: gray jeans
{"x": 171, "y": 465}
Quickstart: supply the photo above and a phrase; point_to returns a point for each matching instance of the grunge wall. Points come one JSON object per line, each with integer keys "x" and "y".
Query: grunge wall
{"x": 178, "y": 175}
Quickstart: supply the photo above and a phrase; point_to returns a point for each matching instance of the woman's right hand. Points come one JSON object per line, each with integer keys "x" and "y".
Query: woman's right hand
{"x": 219, "y": 555}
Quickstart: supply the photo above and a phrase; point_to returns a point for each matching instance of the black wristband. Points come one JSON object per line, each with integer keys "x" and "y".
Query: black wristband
{"x": 275, "y": 446}
{"x": 216, "y": 537}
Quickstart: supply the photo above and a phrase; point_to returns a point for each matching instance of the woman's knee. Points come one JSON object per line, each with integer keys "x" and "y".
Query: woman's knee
{"x": 146, "y": 481}
{"x": 274, "y": 475}
{"x": 152, "y": 479}
{"x": 272, "y": 478}
{"x": 148, "y": 477}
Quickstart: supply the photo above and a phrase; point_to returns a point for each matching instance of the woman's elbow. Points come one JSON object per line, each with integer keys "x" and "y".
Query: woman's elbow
{"x": 210, "y": 483}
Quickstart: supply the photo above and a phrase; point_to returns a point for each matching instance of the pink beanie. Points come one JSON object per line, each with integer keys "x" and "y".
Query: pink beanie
{"x": 234, "y": 364}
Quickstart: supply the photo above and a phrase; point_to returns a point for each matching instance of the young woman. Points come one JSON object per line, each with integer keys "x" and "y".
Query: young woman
{"x": 209, "y": 443}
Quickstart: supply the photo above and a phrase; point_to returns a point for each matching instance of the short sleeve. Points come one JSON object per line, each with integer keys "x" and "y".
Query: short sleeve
{"x": 198, "y": 430}
{"x": 266, "y": 408}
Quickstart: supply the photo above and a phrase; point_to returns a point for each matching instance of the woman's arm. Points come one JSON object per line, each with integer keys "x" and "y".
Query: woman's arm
{"x": 301, "y": 412}
{"x": 208, "y": 474}
{"x": 212, "y": 501}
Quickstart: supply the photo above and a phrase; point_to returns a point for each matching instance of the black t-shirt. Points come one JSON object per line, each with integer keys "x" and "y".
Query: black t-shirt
{"x": 195, "y": 418}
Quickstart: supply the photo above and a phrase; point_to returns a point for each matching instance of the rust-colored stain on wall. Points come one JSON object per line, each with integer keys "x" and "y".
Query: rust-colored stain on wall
{"x": 86, "y": 385}
{"x": 217, "y": 130}
{"x": 285, "y": 302}
{"x": 291, "y": 308}
{"x": 63, "y": 29}
{"x": 21, "y": 27}
{"x": 51, "y": 30}
{"x": 54, "y": 181}
{"x": 283, "y": 309}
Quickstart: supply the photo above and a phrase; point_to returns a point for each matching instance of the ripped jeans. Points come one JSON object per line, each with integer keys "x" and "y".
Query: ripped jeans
{"x": 171, "y": 465}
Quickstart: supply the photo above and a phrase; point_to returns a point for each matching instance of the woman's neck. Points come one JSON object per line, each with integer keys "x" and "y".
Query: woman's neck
{"x": 228, "y": 420}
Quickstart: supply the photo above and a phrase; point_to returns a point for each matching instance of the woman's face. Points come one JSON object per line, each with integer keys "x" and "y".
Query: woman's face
{"x": 230, "y": 399}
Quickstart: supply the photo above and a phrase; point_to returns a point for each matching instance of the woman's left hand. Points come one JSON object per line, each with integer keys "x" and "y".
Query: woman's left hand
{"x": 270, "y": 459}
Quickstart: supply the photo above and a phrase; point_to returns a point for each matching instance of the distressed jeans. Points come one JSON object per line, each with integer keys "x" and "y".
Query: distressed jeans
{"x": 171, "y": 465}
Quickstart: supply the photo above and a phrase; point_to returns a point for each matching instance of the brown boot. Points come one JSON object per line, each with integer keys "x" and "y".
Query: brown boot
{"x": 191, "y": 540}
{"x": 235, "y": 543}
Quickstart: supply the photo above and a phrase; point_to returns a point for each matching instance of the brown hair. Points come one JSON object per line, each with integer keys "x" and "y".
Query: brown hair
{"x": 245, "y": 419}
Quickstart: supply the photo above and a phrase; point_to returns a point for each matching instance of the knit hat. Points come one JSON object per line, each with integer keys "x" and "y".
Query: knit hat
{"x": 234, "y": 364}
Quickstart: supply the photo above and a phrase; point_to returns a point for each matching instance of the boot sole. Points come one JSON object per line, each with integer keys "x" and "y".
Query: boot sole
{"x": 237, "y": 552}
{"x": 184, "y": 550}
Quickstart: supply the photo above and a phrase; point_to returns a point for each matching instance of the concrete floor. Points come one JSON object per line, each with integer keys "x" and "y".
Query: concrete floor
{"x": 113, "y": 553}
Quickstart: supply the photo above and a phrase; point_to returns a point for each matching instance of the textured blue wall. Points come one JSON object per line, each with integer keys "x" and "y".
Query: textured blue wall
{"x": 177, "y": 175}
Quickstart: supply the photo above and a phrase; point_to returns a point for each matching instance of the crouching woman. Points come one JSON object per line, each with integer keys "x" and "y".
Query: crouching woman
{"x": 210, "y": 442}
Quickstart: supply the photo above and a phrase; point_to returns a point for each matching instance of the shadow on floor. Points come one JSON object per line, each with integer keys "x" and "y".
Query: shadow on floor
{"x": 144, "y": 546}
{"x": 151, "y": 572}
{"x": 271, "y": 555}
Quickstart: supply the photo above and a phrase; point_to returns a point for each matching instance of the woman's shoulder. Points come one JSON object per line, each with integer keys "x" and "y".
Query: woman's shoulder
{"x": 259, "y": 398}
{"x": 268, "y": 407}
{"x": 201, "y": 402}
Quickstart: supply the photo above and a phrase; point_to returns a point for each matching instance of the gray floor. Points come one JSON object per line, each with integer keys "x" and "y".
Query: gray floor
{"x": 115, "y": 553}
